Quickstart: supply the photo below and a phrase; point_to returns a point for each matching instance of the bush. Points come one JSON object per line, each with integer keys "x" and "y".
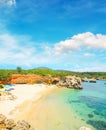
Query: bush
{"x": 1, "y": 86}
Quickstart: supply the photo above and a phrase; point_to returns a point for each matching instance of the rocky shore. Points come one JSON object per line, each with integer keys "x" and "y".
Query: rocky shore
{"x": 27, "y": 92}
{"x": 10, "y": 124}
{"x": 70, "y": 82}
{"x": 67, "y": 81}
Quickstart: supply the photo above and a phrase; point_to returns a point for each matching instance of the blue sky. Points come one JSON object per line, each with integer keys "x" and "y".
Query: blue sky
{"x": 59, "y": 34}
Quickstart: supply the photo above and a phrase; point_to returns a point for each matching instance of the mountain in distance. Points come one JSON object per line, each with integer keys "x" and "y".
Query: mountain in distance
{"x": 43, "y": 68}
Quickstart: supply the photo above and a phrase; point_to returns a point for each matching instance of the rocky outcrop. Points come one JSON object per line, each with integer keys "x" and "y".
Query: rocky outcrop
{"x": 92, "y": 81}
{"x": 84, "y": 79}
{"x": 68, "y": 81}
{"x": 10, "y": 124}
{"x": 84, "y": 128}
{"x": 5, "y": 81}
{"x": 32, "y": 78}
{"x": 25, "y": 78}
{"x": 22, "y": 125}
{"x": 55, "y": 80}
{"x": 2, "y": 118}
{"x": 71, "y": 82}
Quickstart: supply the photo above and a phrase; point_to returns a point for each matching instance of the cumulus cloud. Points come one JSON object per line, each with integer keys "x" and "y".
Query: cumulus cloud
{"x": 87, "y": 39}
{"x": 99, "y": 68}
{"x": 88, "y": 54}
{"x": 18, "y": 50}
{"x": 11, "y": 2}
{"x": 12, "y": 51}
{"x": 7, "y": 2}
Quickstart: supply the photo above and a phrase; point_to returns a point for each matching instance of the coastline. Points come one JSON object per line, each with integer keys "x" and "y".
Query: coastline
{"x": 45, "y": 114}
{"x": 23, "y": 93}
{"x": 34, "y": 106}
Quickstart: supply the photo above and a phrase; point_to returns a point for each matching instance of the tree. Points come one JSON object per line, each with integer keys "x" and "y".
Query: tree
{"x": 19, "y": 69}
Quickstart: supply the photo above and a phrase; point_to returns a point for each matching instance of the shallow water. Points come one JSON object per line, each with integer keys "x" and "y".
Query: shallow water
{"x": 75, "y": 108}
{"x": 69, "y": 109}
{"x": 90, "y": 104}
{"x": 55, "y": 113}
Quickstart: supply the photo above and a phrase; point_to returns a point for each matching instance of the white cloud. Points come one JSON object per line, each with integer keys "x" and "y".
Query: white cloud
{"x": 88, "y": 54}
{"x": 16, "y": 50}
{"x": 12, "y": 50}
{"x": 20, "y": 50}
{"x": 11, "y": 2}
{"x": 8, "y": 2}
{"x": 99, "y": 68}
{"x": 87, "y": 39}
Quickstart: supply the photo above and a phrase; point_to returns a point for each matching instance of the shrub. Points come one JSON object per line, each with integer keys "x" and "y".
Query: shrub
{"x": 1, "y": 86}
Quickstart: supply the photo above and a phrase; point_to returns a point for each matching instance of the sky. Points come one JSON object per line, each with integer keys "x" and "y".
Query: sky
{"x": 58, "y": 34}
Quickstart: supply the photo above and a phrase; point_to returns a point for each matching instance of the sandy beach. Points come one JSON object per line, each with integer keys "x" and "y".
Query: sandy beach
{"x": 42, "y": 110}
{"x": 23, "y": 93}
{"x": 46, "y": 113}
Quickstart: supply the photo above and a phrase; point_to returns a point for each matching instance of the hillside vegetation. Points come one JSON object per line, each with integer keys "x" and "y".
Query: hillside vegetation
{"x": 45, "y": 71}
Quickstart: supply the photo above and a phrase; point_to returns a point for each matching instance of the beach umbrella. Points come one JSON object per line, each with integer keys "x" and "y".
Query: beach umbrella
{"x": 8, "y": 87}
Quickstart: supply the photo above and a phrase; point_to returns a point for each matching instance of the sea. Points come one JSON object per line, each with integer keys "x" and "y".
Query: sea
{"x": 70, "y": 109}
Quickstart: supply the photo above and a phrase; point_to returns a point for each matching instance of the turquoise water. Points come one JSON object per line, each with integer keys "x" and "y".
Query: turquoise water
{"x": 89, "y": 103}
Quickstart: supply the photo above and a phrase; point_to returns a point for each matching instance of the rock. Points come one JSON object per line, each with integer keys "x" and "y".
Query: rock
{"x": 92, "y": 81}
{"x": 84, "y": 79}
{"x": 70, "y": 82}
{"x": 22, "y": 125}
{"x": 2, "y": 118}
{"x": 84, "y": 128}
{"x": 25, "y": 78}
{"x": 9, "y": 123}
{"x": 98, "y": 79}
{"x": 55, "y": 80}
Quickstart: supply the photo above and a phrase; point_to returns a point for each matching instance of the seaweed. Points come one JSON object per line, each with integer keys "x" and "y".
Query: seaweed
{"x": 99, "y": 125}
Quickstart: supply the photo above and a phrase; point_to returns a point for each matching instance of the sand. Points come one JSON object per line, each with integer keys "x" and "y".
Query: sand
{"x": 23, "y": 93}
{"x": 49, "y": 114}
{"x": 42, "y": 112}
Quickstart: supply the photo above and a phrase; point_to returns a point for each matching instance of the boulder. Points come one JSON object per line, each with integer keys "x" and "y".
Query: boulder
{"x": 22, "y": 125}
{"x": 84, "y": 79}
{"x": 70, "y": 82}
{"x": 2, "y": 118}
{"x": 9, "y": 123}
{"x": 92, "y": 81}
{"x": 55, "y": 80}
